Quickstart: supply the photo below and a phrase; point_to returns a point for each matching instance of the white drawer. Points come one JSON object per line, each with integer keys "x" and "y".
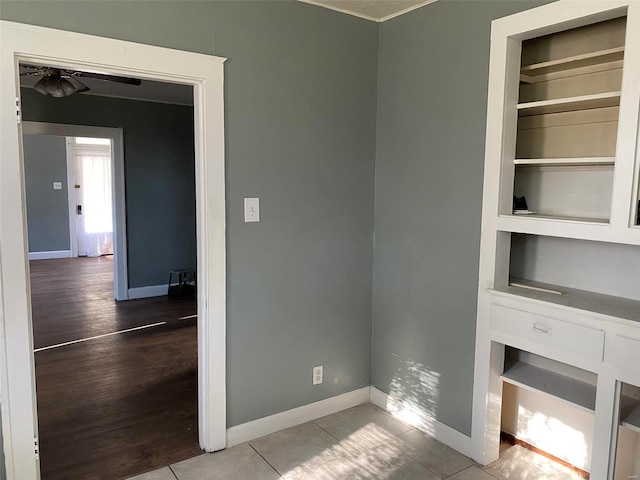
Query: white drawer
{"x": 626, "y": 354}
{"x": 567, "y": 337}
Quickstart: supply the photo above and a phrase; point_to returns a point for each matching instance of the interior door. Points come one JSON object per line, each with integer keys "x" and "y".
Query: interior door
{"x": 93, "y": 197}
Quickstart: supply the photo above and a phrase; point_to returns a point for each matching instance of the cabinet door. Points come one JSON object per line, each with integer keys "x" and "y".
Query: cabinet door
{"x": 627, "y": 458}
{"x": 625, "y": 193}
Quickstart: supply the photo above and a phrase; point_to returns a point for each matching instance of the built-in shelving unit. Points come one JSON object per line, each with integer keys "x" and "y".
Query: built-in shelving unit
{"x": 559, "y": 277}
{"x": 569, "y": 98}
{"x": 547, "y": 382}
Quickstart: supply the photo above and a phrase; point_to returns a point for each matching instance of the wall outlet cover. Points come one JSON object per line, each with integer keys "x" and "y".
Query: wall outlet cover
{"x": 317, "y": 375}
{"x": 57, "y": 185}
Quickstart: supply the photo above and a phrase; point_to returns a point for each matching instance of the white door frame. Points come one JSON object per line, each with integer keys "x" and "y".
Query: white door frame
{"x": 45, "y": 46}
{"x": 121, "y": 279}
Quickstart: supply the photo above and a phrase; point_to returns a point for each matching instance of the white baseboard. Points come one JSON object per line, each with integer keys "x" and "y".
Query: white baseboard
{"x": 148, "y": 291}
{"x": 422, "y": 420}
{"x": 49, "y": 255}
{"x": 296, "y": 416}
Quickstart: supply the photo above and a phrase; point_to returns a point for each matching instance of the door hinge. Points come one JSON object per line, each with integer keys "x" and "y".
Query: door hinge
{"x": 36, "y": 447}
{"x": 18, "y": 111}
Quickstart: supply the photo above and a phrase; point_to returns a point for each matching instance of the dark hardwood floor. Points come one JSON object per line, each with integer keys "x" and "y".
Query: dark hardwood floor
{"x": 116, "y": 406}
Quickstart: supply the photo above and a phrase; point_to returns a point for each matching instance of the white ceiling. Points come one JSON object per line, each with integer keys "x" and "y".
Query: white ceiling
{"x": 376, "y": 10}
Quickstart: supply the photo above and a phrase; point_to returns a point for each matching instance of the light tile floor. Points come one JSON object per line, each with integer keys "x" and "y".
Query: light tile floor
{"x": 361, "y": 443}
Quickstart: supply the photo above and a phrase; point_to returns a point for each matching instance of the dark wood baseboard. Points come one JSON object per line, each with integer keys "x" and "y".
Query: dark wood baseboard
{"x": 509, "y": 438}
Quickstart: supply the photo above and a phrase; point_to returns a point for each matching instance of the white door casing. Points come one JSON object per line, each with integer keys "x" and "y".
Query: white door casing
{"x": 43, "y": 46}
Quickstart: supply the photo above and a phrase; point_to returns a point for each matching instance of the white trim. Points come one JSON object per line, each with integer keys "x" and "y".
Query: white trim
{"x": 367, "y": 17}
{"x": 50, "y": 254}
{"x": 341, "y": 10}
{"x": 71, "y": 200}
{"x": 43, "y": 46}
{"x": 407, "y": 10}
{"x": 296, "y": 416}
{"x": 148, "y": 291}
{"x": 120, "y": 272}
{"x": 422, "y": 420}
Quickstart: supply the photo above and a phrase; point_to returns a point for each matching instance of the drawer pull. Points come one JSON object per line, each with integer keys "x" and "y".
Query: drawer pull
{"x": 541, "y": 329}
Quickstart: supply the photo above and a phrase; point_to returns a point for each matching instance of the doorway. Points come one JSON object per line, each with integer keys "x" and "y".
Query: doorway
{"x": 115, "y": 137}
{"x": 95, "y": 363}
{"x": 89, "y": 162}
{"x": 41, "y": 46}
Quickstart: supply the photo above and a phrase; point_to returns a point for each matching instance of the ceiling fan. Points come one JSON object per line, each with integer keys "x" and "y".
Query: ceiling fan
{"x": 57, "y": 82}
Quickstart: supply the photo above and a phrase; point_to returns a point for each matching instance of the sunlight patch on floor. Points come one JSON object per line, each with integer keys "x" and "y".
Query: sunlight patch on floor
{"x": 64, "y": 344}
{"x": 551, "y": 435}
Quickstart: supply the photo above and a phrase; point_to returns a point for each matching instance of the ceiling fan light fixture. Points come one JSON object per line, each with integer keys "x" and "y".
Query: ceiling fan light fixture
{"x": 54, "y": 86}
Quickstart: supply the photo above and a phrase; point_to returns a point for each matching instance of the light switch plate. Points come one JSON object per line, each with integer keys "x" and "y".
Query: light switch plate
{"x": 57, "y": 185}
{"x": 251, "y": 209}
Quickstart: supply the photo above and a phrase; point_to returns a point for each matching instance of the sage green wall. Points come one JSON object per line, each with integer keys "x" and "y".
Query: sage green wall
{"x": 432, "y": 95}
{"x": 45, "y": 162}
{"x": 300, "y": 129}
{"x": 300, "y": 102}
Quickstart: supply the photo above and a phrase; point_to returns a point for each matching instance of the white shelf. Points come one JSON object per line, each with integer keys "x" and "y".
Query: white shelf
{"x": 598, "y": 231}
{"x": 565, "y": 161}
{"x": 542, "y": 216}
{"x": 630, "y": 414}
{"x": 575, "y": 61}
{"x": 570, "y": 104}
{"x": 618, "y": 307}
{"x": 546, "y": 382}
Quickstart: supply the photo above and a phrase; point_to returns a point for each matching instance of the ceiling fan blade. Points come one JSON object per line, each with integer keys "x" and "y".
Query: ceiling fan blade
{"x": 109, "y": 78}
{"x": 79, "y": 86}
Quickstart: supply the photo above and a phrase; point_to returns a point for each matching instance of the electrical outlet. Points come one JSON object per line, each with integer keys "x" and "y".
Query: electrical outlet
{"x": 251, "y": 209}
{"x": 317, "y": 375}
{"x": 57, "y": 185}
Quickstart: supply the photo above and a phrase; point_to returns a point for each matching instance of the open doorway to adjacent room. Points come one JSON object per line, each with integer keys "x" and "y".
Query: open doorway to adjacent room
{"x": 116, "y": 352}
{"x": 203, "y": 75}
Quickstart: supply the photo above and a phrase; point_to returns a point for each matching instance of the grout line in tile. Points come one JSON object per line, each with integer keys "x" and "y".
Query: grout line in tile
{"x": 331, "y": 475}
{"x": 173, "y": 473}
{"x": 267, "y": 461}
{"x": 314, "y": 422}
{"x": 489, "y": 473}
{"x": 425, "y": 466}
{"x": 484, "y": 468}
